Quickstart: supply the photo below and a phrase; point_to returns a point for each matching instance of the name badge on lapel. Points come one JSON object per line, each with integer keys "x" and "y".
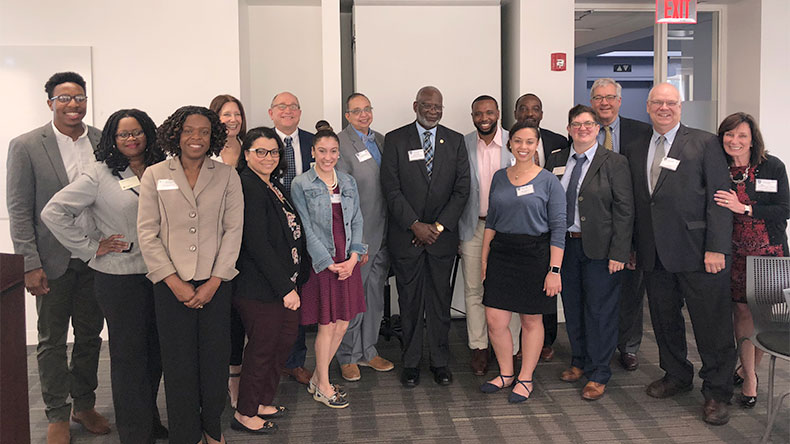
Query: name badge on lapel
{"x": 766, "y": 185}
{"x": 166, "y": 184}
{"x": 334, "y": 198}
{"x": 129, "y": 182}
{"x": 417, "y": 154}
{"x": 524, "y": 190}
{"x": 363, "y": 156}
{"x": 670, "y": 163}
{"x": 513, "y": 161}
{"x": 558, "y": 171}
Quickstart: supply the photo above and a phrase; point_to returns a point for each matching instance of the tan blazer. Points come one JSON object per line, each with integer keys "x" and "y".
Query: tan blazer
{"x": 193, "y": 232}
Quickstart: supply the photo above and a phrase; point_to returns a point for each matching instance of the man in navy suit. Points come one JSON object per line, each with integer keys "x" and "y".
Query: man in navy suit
{"x": 285, "y": 112}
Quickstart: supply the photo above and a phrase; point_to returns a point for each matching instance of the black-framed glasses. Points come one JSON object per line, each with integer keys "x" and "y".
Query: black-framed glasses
{"x": 608, "y": 97}
{"x": 129, "y": 134}
{"x": 358, "y": 111}
{"x": 283, "y": 106}
{"x": 262, "y": 153}
{"x": 66, "y": 98}
{"x": 588, "y": 124}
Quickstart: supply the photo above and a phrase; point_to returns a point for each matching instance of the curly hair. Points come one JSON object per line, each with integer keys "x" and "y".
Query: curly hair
{"x": 63, "y": 77}
{"x": 218, "y": 102}
{"x": 107, "y": 150}
{"x": 266, "y": 133}
{"x": 168, "y": 135}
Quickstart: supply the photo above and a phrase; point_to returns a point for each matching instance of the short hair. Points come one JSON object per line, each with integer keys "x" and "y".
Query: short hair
{"x": 218, "y": 102}
{"x": 323, "y": 124}
{"x": 354, "y": 96}
{"x": 485, "y": 97}
{"x": 524, "y": 96}
{"x": 63, "y": 77}
{"x": 578, "y": 110}
{"x": 518, "y": 126}
{"x": 168, "y": 135}
{"x": 266, "y": 133}
{"x": 758, "y": 153}
{"x": 603, "y": 81}
{"x": 107, "y": 149}
{"x": 424, "y": 90}
{"x": 323, "y": 134}
{"x": 284, "y": 92}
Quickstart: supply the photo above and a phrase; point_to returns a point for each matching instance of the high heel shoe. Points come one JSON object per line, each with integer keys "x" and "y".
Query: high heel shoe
{"x": 737, "y": 380}
{"x": 747, "y": 402}
{"x": 339, "y": 390}
{"x": 514, "y": 397}
{"x": 488, "y": 387}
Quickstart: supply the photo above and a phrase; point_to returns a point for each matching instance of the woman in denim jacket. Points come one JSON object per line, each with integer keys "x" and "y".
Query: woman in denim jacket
{"x": 328, "y": 203}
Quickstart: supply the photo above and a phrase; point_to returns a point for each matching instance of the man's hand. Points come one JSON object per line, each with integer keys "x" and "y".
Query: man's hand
{"x": 36, "y": 282}
{"x": 291, "y": 301}
{"x": 631, "y": 265}
{"x": 714, "y": 262}
{"x": 424, "y": 234}
{"x": 615, "y": 266}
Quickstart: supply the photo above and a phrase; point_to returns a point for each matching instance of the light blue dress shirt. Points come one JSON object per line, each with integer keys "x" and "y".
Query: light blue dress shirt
{"x": 651, "y": 152}
{"x": 421, "y": 130}
{"x": 370, "y": 143}
{"x": 566, "y": 179}
{"x": 615, "y": 127}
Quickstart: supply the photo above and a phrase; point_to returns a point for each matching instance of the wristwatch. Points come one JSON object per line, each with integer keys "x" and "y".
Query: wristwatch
{"x": 439, "y": 226}
{"x": 554, "y": 270}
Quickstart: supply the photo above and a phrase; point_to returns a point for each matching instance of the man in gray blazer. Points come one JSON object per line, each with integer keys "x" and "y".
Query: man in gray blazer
{"x": 488, "y": 152}
{"x": 360, "y": 156}
{"x": 40, "y": 163}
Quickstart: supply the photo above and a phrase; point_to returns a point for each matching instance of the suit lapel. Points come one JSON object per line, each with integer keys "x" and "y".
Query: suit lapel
{"x": 206, "y": 174}
{"x": 178, "y": 176}
{"x": 439, "y": 153}
{"x": 674, "y": 152}
{"x": 53, "y": 152}
{"x": 415, "y": 142}
{"x": 598, "y": 160}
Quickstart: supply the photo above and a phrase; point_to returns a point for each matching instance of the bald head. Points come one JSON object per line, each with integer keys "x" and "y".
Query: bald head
{"x": 664, "y": 107}
{"x": 285, "y": 112}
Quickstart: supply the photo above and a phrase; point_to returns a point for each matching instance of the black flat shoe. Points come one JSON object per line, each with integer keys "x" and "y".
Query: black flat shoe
{"x": 747, "y": 402}
{"x": 737, "y": 380}
{"x": 267, "y": 429}
{"x": 281, "y": 410}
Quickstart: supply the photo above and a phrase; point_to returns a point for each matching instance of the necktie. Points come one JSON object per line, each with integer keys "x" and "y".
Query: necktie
{"x": 428, "y": 148}
{"x": 608, "y": 143}
{"x": 570, "y": 193}
{"x": 290, "y": 173}
{"x": 655, "y": 167}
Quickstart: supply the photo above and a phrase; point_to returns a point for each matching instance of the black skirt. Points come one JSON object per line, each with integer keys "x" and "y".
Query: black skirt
{"x": 517, "y": 267}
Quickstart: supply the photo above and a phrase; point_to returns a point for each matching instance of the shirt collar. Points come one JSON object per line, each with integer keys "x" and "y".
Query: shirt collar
{"x": 421, "y": 130}
{"x": 589, "y": 154}
{"x": 670, "y": 135}
{"x": 62, "y": 137}
{"x": 615, "y": 125}
{"x": 364, "y": 137}
{"x": 497, "y": 137}
{"x": 293, "y": 136}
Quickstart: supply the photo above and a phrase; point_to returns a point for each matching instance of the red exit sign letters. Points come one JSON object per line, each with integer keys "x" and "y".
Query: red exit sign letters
{"x": 676, "y": 11}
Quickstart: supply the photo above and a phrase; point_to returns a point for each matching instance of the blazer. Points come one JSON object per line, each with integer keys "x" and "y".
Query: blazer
{"x": 267, "y": 263}
{"x": 367, "y": 173}
{"x": 680, "y": 221}
{"x": 773, "y": 208}
{"x": 35, "y": 172}
{"x": 193, "y": 232}
{"x": 468, "y": 222}
{"x": 606, "y": 204}
{"x": 552, "y": 142}
{"x": 411, "y": 196}
{"x": 633, "y": 135}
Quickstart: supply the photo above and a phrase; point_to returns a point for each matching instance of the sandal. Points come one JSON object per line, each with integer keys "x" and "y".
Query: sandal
{"x": 515, "y": 398}
{"x": 488, "y": 387}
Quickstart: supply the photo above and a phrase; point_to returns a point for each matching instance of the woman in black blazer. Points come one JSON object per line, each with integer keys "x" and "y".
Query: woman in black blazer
{"x": 760, "y": 201}
{"x": 272, "y": 264}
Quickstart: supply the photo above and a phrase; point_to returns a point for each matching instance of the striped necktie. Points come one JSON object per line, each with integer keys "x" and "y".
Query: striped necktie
{"x": 428, "y": 148}
{"x": 290, "y": 173}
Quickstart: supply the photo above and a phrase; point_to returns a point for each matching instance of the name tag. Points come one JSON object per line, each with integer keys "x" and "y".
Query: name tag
{"x": 363, "y": 156}
{"x": 523, "y": 190}
{"x": 312, "y": 164}
{"x": 512, "y": 161}
{"x": 334, "y": 198}
{"x": 416, "y": 155}
{"x": 129, "y": 182}
{"x": 558, "y": 171}
{"x": 766, "y": 185}
{"x": 670, "y": 163}
{"x": 166, "y": 184}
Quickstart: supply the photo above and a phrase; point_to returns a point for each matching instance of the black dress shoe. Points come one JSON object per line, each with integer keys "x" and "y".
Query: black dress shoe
{"x": 665, "y": 387}
{"x": 715, "y": 412}
{"x": 747, "y": 402}
{"x": 442, "y": 375}
{"x": 267, "y": 429}
{"x": 410, "y": 377}
{"x": 629, "y": 361}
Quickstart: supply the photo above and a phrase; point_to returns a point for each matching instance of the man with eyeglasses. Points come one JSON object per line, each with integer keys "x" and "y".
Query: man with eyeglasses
{"x": 40, "y": 163}
{"x": 682, "y": 242}
{"x": 622, "y": 135}
{"x": 286, "y": 113}
{"x": 425, "y": 177}
{"x": 360, "y": 156}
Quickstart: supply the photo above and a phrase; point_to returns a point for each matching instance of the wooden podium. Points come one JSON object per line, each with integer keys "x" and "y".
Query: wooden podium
{"x": 14, "y": 408}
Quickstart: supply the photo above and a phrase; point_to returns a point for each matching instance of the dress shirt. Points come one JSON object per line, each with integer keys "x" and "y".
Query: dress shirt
{"x": 615, "y": 127}
{"x": 297, "y": 148}
{"x": 566, "y": 178}
{"x": 370, "y": 143}
{"x": 541, "y": 154}
{"x": 488, "y": 161}
{"x": 651, "y": 152}
{"x": 421, "y": 130}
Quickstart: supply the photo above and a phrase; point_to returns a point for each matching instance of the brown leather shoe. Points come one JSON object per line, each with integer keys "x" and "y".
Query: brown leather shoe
{"x": 479, "y": 362}
{"x": 572, "y": 374}
{"x": 350, "y": 372}
{"x": 92, "y": 421}
{"x": 664, "y": 388}
{"x": 593, "y": 391}
{"x": 715, "y": 412}
{"x": 378, "y": 363}
{"x": 301, "y": 374}
{"x": 58, "y": 433}
{"x": 547, "y": 354}
{"x": 629, "y": 361}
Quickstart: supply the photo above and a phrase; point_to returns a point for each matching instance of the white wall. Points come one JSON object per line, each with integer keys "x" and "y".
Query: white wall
{"x": 742, "y": 73}
{"x": 774, "y": 69}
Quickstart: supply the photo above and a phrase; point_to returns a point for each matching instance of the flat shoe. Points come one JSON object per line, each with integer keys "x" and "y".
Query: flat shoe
{"x": 514, "y": 397}
{"x": 278, "y": 414}
{"x": 488, "y": 387}
{"x": 267, "y": 429}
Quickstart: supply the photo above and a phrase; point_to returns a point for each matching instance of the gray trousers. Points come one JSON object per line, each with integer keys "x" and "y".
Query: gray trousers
{"x": 359, "y": 342}
{"x": 632, "y": 298}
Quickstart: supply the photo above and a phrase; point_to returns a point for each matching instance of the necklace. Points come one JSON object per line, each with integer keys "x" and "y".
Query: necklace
{"x": 334, "y": 181}
{"x": 515, "y": 173}
{"x": 744, "y": 176}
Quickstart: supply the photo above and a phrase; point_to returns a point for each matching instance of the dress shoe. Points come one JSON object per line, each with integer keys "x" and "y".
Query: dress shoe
{"x": 515, "y": 398}
{"x": 338, "y": 389}
{"x": 479, "y": 362}
{"x": 715, "y": 412}
{"x": 301, "y": 374}
{"x": 547, "y": 354}
{"x": 159, "y": 431}
{"x": 92, "y": 421}
{"x": 279, "y": 413}
{"x": 747, "y": 402}
{"x": 377, "y": 363}
{"x": 267, "y": 429}
{"x": 58, "y": 433}
{"x": 737, "y": 380}
{"x": 442, "y": 375}
{"x": 489, "y": 387}
{"x": 572, "y": 374}
{"x": 410, "y": 377}
{"x": 664, "y": 388}
{"x": 629, "y": 361}
{"x": 350, "y": 372}
{"x": 593, "y": 391}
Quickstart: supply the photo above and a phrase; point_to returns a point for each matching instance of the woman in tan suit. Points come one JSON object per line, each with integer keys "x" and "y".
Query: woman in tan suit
{"x": 189, "y": 226}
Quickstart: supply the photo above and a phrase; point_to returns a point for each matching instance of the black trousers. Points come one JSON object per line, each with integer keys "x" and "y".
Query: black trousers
{"x": 424, "y": 293}
{"x": 237, "y": 335}
{"x": 632, "y": 296}
{"x": 127, "y": 302}
{"x": 195, "y": 354}
{"x": 707, "y": 297}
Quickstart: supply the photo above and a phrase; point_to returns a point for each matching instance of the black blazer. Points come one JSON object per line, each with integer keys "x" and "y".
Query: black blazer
{"x": 305, "y": 146}
{"x": 680, "y": 221}
{"x": 634, "y": 134}
{"x": 265, "y": 262}
{"x": 773, "y": 208}
{"x": 606, "y": 204}
{"x": 411, "y": 196}
{"x": 552, "y": 142}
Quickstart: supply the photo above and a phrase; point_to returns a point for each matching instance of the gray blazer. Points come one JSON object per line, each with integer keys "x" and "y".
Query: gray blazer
{"x": 468, "y": 222}
{"x": 368, "y": 177}
{"x": 35, "y": 172}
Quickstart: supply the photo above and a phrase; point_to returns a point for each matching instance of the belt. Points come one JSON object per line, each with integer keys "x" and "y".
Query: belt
{"x": 574, "y": 235}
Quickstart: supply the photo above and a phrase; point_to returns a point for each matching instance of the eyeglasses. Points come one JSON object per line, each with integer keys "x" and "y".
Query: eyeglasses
{"x": 358, "y": 111}
{"x": 608, "y": 97}
{"x": 129, "y": 134}
{"x": 262, "y": 153}
{"x": 430, "y": 107}
{"x": 283, "y": 106}
{"x": 588, "y": 124}
{"x": 660, "y": 103}
{"x": 66, "y": 98}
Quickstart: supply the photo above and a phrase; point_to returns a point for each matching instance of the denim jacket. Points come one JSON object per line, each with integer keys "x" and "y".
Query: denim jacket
{"x": 311, "y": 199}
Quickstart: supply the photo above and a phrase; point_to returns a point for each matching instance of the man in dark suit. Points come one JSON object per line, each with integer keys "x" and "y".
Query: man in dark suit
{"x": 623, "y": 135}
{"x": 529, "y": 108}
{"x": 40, "y": 163}
{"x": 682, "y": 239}
{"x": 286, "y": 113}
{"x": 425, "y": 177}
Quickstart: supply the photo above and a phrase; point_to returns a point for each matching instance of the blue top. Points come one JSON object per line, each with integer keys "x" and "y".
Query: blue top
{"x": 369, "y": 140}
{"x": 566, "y": 180}
{"x": 540, "y": 208}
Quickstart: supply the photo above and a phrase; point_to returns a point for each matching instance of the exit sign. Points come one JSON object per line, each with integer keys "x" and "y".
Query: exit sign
{"x": 676, "y": 11}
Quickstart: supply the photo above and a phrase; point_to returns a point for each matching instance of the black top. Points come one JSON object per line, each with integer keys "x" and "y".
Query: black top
{"x": 774, "y": 208}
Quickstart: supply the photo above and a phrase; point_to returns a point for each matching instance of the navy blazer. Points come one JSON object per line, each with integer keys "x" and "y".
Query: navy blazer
{"x": 305, "y": 146}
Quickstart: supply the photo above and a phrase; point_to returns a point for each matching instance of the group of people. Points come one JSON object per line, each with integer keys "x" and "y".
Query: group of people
{"x": 208, "y": 247}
